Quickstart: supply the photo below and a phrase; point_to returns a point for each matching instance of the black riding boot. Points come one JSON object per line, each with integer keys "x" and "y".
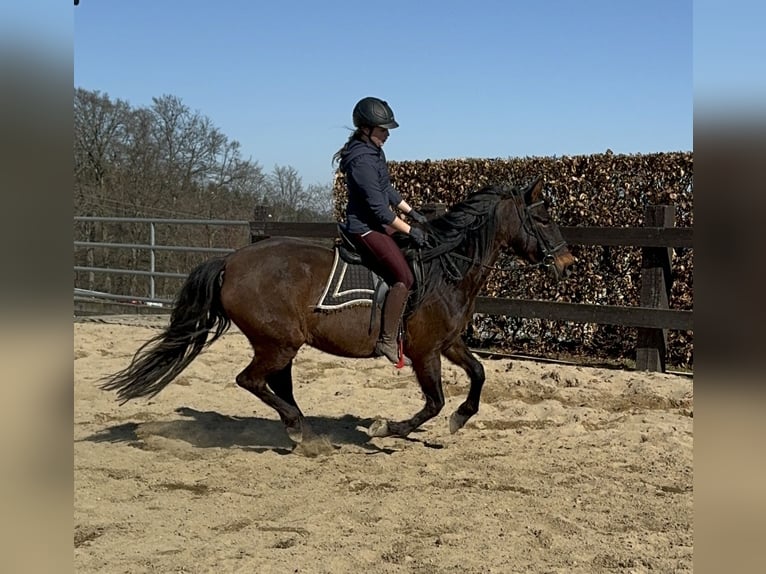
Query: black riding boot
{"x": 393, "y": 307}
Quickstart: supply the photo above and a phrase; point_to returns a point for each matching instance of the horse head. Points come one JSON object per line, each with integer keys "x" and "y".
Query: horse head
{"x": 538, "y": 239}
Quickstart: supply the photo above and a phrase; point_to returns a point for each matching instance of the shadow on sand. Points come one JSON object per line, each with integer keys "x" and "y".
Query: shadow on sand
{"x": 209, "y": 429}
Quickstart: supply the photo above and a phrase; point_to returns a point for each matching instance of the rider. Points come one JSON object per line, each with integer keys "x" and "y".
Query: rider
{"x": 370, "y": 221}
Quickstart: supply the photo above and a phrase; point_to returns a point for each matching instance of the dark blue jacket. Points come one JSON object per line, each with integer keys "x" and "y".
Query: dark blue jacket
{"x": 370, "y": 193}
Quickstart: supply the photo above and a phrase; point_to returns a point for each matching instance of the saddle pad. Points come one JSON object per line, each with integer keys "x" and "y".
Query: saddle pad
{"x": 347, "y": 285}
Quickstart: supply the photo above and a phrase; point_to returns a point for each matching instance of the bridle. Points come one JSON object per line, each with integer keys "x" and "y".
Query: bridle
{"x": 529, "y": 225}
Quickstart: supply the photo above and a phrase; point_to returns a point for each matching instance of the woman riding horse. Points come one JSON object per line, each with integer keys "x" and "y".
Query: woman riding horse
{"x": 370, "y": 220}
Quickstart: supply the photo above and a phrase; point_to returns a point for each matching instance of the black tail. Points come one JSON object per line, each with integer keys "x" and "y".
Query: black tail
{"x": 157, "y": 362}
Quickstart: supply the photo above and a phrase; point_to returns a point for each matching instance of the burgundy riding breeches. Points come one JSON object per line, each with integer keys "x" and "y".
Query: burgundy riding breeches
{"x": 385, "y": 257}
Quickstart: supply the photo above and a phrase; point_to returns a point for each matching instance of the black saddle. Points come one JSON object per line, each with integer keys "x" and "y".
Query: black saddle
{"x": 346, "y": 248}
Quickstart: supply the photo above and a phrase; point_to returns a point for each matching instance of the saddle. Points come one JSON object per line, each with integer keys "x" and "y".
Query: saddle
{"x": 351, "y": 282}
{"x": 346, "y": 248}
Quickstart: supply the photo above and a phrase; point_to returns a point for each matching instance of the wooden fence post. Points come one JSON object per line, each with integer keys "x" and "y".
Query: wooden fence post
{"x": 258, "y": 225}
{"x": 655, "y": 290}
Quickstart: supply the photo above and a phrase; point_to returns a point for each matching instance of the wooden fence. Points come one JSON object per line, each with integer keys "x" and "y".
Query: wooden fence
{"x": 652, "y": 318}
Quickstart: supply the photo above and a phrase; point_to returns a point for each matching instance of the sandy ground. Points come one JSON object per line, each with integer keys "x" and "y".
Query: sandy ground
{"x": 564, "y": 470}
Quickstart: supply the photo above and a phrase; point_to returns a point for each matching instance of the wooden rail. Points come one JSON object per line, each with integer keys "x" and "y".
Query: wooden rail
{"x": 612, "y": 236}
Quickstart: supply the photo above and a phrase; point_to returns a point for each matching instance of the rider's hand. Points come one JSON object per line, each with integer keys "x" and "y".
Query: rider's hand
{"x": 416, "y": 216}
{"x": 418, "y": 236}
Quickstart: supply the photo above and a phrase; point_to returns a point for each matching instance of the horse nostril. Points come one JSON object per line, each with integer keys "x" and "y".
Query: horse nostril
{"x": 570, "y": 270}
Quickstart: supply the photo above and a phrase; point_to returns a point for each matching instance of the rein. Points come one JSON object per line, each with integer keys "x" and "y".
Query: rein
{"x": 514, "y": 266}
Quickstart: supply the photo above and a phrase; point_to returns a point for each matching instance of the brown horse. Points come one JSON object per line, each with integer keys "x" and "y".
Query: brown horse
{"x": 270, "y": 290}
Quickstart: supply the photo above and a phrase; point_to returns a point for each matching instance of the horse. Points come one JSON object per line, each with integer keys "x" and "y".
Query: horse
{"x": 270, "y": 289}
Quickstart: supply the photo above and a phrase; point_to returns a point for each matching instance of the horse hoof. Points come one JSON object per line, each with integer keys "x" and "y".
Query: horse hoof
{"x": 379, "y": 428}
{"x": 295, "y": 433}
{"x": 457, "y": 421}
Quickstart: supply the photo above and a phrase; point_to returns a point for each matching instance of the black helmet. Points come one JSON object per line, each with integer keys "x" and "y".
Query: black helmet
{"x": 373, "y": 112}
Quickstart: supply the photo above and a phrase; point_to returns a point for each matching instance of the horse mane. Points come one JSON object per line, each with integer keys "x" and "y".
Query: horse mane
{"x": 461, "y": 239}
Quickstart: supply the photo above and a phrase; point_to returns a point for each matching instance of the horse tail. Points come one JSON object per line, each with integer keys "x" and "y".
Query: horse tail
{"x": 196, "y": 311}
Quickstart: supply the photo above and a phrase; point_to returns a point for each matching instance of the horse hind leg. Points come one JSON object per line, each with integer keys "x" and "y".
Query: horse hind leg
{"x": 281, "y": 384}
{"x": 274, "y": 386}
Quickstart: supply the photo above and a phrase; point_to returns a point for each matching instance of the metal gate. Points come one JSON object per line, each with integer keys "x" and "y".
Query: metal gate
{"x": 151, "y": 272}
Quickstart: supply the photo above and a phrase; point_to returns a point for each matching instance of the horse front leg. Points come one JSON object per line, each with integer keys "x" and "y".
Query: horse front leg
{"x": 459, "y": 354}
{"x": 429, "y": 377}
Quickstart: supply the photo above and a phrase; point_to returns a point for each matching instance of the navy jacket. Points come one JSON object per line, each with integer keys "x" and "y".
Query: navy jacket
{"x": 370, "y": 193}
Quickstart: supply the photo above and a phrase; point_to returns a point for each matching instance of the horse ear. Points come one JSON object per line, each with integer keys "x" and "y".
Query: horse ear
{"x": 534, "y": 191}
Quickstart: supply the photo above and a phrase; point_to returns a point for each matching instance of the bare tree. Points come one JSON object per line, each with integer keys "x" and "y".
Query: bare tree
{"x": 168, "y": 161}
{"x": 100, "y": 137}
{"x": 319, "y": 202}
{"x": 288, "y": 200}
{"x": 157, "y": 161}
{"x": 284, "y": 191}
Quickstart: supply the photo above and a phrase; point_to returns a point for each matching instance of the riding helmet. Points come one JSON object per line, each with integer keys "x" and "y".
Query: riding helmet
{"x": 373, "y": 112}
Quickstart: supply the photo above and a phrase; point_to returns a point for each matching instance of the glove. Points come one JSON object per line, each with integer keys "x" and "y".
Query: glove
{"x": 418, "y": 236}
{"x": 416, "y": 216}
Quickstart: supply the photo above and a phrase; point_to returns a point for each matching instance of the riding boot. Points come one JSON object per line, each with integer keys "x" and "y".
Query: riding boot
{"x": 393, "y": 308}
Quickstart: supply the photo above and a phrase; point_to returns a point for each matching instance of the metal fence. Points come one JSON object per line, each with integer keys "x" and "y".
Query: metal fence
{"x": 152, "y": 248}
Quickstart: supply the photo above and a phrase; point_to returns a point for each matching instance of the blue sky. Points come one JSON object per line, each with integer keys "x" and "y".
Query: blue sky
{"x": 481, "y": 78}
